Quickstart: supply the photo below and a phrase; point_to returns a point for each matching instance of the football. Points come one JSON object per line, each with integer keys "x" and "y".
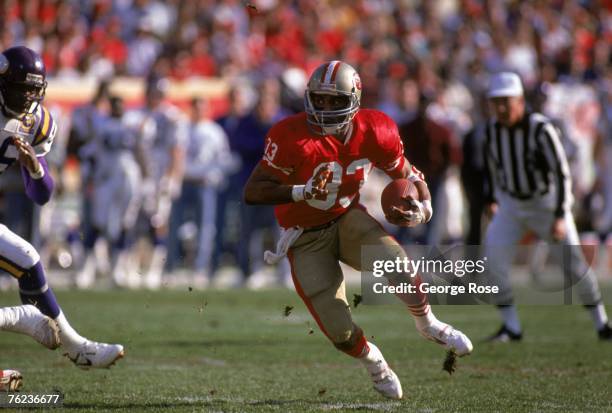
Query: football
{"x": 395, "y": 193}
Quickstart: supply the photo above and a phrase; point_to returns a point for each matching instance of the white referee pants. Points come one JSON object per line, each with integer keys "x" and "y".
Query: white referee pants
{"x": 509, "y": 226}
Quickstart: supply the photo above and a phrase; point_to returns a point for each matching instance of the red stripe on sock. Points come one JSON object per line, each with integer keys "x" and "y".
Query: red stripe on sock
{"x": 361, "y": 347}
{"x": 421, "y": 312}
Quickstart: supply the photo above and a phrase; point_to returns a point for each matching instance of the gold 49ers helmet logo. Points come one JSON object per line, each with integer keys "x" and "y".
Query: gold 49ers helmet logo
{"x": 27, "y": 123}
{"x": 357, "y": 80}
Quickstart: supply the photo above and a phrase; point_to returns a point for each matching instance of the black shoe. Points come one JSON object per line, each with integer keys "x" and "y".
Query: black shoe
{"x": 504, "y": 335}
{"x": 605, "y": 333}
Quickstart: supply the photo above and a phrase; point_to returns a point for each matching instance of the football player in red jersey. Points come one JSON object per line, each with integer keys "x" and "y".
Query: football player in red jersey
{"x": 314, "y": 164}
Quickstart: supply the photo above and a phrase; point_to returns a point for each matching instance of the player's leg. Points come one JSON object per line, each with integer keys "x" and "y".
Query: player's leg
{"x": 86, "y": 273}
{"x": 123, "y": 263}
{"x": 100, "y": 224}
{"x": 28, "y": 320}
{"x": 208, "y": 231}
{"x": 319, "y": 282}
{"x": 503, "y": 234}
{"x": 22, "y": 261}
{"x": 10, "y": 380}
{"x": 569, "y": 255}
{"x": 153, "y": 277}
{"x": 357, "y": 228}
{"x": 181, "y": 207}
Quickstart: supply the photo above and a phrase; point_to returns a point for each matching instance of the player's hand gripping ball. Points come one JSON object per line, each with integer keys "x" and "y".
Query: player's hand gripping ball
{"x": 399, "y": 201}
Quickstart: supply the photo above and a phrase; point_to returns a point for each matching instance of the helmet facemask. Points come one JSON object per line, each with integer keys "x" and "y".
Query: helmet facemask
{"x": 330, "y": 122}
{"x": 21, "y": 98}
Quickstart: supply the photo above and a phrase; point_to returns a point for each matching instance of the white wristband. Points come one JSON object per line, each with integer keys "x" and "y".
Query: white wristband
{"x": 297, "y": 193}
{"x": 38, "y": 174}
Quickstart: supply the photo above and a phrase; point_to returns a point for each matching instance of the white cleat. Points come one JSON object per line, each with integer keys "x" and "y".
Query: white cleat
{"x": 385, "y": 380}
{"x": 10, "y": 380}
{"x": 28, "y": 320}
{"x": 95, "y": 355}
{"x": 449, "y": 337}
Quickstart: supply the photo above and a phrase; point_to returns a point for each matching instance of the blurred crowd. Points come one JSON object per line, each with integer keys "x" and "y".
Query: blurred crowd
{"x": 175, "y": 176}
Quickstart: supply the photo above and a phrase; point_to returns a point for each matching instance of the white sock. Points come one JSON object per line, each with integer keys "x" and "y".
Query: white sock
{"x": 4, "y": 316}
{"x": 599, "y": 316}
{"x": 424, "y": 321}
{"x": 370, "y": 359}
{"x": 510, "y": 317}
{"x": 71, "y": 340}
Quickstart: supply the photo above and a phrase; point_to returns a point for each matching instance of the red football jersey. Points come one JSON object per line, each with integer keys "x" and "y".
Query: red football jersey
{"x": 294, "y": 154}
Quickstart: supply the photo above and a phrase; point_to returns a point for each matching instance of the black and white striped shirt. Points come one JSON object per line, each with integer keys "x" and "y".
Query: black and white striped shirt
{"x": 528, "y": 160}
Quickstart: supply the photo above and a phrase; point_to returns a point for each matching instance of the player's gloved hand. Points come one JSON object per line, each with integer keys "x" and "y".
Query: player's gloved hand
{"x": 418, "y": 213}
{"x": 27, "y": 157}
{"x": 314, "y": 188}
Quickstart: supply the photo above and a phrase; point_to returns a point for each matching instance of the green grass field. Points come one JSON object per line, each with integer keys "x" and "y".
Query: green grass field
{"x": 235, "y": 351}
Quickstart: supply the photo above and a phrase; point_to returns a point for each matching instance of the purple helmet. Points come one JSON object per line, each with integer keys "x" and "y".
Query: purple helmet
{"x": 23, "y": 80}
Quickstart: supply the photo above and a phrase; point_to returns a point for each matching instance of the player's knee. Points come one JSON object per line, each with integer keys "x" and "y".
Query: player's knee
{"x": 350, "y": 341}
{"x": 30, "y": 258}
{"x": 343, "y": 340}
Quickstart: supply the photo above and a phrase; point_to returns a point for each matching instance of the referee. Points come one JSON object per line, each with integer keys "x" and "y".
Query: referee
{"x": 530, "y": 191}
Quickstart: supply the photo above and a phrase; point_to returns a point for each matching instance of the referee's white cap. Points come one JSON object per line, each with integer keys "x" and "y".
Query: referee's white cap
{"x": 505, "y": 84}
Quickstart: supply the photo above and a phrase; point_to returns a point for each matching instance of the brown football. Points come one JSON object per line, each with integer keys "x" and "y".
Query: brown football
{"x": 395, "y": 193}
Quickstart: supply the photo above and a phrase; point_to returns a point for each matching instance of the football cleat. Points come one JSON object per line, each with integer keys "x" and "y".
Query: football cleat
{"x": 95, "y": 355}
{"x": 449, "y": 337}
{"x": 504, "y": 335}
{"x": 605, "y": 334}
{"x": 28, "y": 320}
{"x": 10, "y": 380}
{"x": 385, "y": 380}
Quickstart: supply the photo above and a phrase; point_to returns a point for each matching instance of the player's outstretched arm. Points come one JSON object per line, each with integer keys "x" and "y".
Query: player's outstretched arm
{"x": 263, "y": 188}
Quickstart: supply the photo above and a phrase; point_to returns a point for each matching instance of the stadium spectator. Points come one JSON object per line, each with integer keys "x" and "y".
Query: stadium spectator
{"x": 86, "y": 121}
{"x": 116, "y": 196}
{"x": 433, "y": 149}
{"x": 161, "y": 136}
{"x": 208, "y": 161}
{"x": 143, "y": 50}
{"x": 228, "y": 201}
{"x": 249, "y": 145}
